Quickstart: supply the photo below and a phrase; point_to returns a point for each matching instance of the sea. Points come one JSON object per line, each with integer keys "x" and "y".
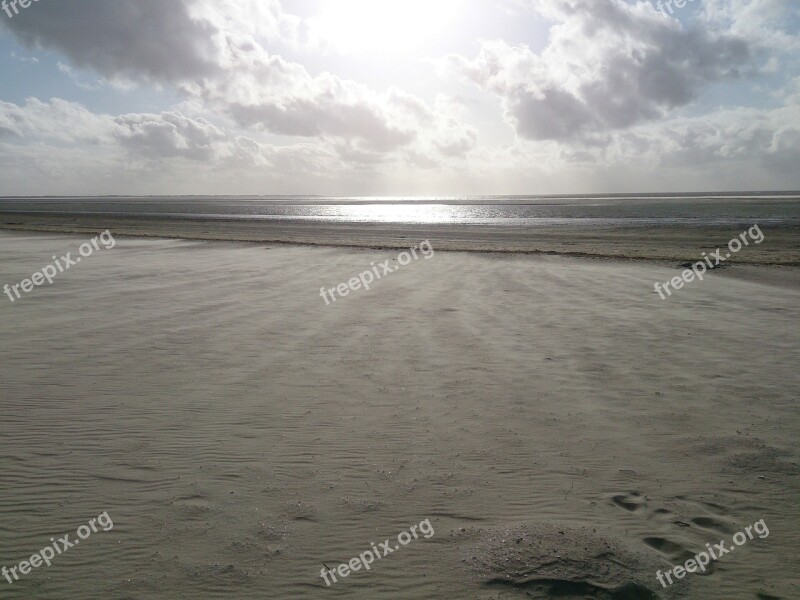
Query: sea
{"x": 722, "y": 209}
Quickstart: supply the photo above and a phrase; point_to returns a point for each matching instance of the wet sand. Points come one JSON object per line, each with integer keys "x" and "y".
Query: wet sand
{"x": 241, "y": 433}
{"x": 664, "y": 243}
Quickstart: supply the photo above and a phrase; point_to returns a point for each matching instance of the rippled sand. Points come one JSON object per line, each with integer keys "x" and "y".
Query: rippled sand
{"x": 241, "y": 433}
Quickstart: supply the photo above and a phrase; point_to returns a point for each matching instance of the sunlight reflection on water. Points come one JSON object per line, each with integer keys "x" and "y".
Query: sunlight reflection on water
{"x": 509, "y": 211}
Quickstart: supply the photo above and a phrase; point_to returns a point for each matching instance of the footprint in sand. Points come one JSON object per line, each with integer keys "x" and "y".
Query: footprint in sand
{"x": 715, "y": 525}
{"x": 673, "y": 551}
{"x": 632, "y": 501}
{"x": 669, "y": 546}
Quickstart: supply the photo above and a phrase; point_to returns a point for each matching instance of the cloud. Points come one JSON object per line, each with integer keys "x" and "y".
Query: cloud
{"x": 168, "y": 134}
{"x": 139, "y": 39}
{"x": 768, "y": 138}
{"x": 57, "y": 120}
{"x": 210, "y": 51}
{"x": 324, "y": 106}
{"x": 61, "y": 147}
{"x": 615, "y": 84}
{"x": 767, "y": 23}
{"x": 608, "y": 66}
{"x": 154, "y": 137}
{"x": 733, "y": 143}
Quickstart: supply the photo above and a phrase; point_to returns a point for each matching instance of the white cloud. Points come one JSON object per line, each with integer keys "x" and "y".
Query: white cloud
{"x": 616, "y": 84}
{"x": 56, "y": 121}
{"x": 213, "y": 51}
{"x": 168, "y": 134}
{"x": 608, "y": 65}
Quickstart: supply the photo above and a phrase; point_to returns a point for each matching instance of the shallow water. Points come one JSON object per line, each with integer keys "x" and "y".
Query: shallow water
{"x": 585, "y": 211}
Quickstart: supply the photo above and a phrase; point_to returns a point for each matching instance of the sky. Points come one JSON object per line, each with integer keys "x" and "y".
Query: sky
{"x": 400, "y": 98}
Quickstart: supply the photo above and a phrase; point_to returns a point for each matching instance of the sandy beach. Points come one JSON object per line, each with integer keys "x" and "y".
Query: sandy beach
{"x": 314, "y": 299}
{"x": 659, "y": 243}
{"x": 563, "y": 429}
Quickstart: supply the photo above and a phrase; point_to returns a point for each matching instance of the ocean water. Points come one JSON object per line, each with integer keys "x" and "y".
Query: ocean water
{"x": 581, "y": 211}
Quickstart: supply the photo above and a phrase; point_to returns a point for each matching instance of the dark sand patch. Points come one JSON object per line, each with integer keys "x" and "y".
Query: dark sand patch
{"x": 547, "y": 560}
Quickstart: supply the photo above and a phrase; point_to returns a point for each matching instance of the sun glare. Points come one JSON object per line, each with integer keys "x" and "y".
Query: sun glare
{"x": 383, "y": 26}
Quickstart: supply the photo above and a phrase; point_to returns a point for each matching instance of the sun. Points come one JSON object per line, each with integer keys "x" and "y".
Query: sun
{"x": 383, "y": 26}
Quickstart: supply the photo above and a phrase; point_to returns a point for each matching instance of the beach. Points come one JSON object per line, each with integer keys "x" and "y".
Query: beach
{"x": 563, "y": 429}
{"x": 316, "y": 300}
{"x": 658, "y": 242}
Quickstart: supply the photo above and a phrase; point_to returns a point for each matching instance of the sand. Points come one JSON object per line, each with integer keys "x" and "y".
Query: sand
{"x": 659, "y": 243}
{"x": 241, "y": 433}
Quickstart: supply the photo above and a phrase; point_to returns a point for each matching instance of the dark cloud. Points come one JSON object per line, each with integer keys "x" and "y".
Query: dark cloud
{"x": 137, "y": 39}
{"x": 609, "y": 65}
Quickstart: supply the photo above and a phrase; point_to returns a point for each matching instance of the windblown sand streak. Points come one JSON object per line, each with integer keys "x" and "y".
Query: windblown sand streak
{"x": 241, "y": 434}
